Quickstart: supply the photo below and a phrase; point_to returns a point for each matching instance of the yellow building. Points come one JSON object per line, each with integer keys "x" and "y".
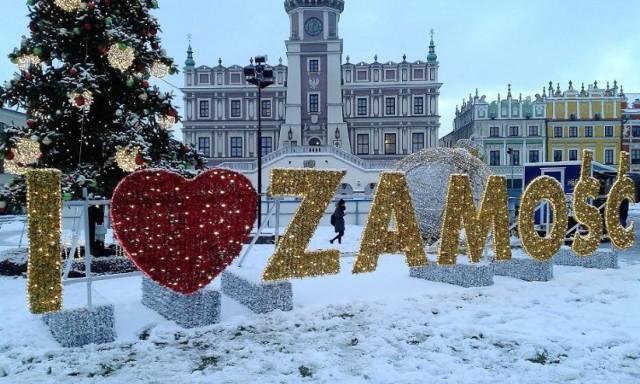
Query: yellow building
{"x": 585, "y": 119}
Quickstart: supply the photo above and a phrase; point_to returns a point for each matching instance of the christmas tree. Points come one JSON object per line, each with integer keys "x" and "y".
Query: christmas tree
{"x": 83, "y": 80}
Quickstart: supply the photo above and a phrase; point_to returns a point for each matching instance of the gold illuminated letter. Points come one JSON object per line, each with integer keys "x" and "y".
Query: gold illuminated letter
{"x": 460, "y": 211}
{"x": 622, "y": 189}
{"x": 44, "y": 207}
{"x": 584, "y": 212}
{"x": 290, "y": 260}
{"x": 391, "y": 201}
{"x": 542, "y": 188}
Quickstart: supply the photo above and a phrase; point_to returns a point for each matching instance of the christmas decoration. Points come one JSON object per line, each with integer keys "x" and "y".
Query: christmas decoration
{"x": 391, "y": 203}
{"x": 68, "y": 5}
{"x": 120, "y": 56}
{"x": 81, "y": 100}
{"x": 427, "y": 173}
{"x": 78, "y": 55}
{"x": 623, "y": 188}
{"x": 460, "y": 211}
{"x": 195, "y": 310}
{"x": 166, "y": 122}
{"x": 127, "y": 159}
{"x": 547, "y": 188}
{"x": 257, "y": 296}
{"x": 25, "y": 153}
{"x": 291, "y": 259}
{"x": 26, "y": 61}
{"x": 183, "y": 233}
{"x": 585, "y": 213}
{"x": 44, "y": 216}
{"x": 159, "y": 69}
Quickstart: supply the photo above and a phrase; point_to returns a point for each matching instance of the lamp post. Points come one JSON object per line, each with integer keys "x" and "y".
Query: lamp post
{"x": 261, "y": 77}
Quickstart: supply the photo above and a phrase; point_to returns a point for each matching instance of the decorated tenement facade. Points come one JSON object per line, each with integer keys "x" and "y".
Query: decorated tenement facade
{"x": 554, "y": 126}
{"x": 322, "y": 111}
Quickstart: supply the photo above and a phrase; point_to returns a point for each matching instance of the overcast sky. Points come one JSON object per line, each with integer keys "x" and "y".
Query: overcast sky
{"x": 484, "y": 44}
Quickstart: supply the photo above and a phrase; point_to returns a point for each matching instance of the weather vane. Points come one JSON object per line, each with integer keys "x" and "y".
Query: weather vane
{"x": 189, "y": 37}
{"x": 432, "y": 32}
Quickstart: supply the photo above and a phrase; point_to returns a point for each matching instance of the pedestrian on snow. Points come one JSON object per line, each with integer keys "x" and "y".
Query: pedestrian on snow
{"x": 624, "y": 212}
{"x": 337, "y": 220}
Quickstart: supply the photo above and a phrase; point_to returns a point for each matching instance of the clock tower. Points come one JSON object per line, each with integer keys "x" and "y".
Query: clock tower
{"x": 314, "y": 114}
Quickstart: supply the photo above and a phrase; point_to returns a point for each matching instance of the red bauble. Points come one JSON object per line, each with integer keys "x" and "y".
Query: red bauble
{"x": 145, "y": 84}
{"x": 31, "y": 123}
{"x": 79, "y": 100}
{"x": 91, "y": 5}
{"x": 9, "y": 155}
{"x": 185, "y": 149}
{"x": 28, "y": 76}
{"x": 153, "y": 30}
{"x": 33, "y": 27}
{"x": 106, "y": 2}
{"x": 139, "y": 67}
{"x": 103, "y": 50}
{"x": 142, "y": 32}
{"x": 87, "y": 26}
{"x": 139, "y": 160}
{"x": 171, "y": 112}
{"x": 143, "y": 213}
{"x": 155, "y": 46}
{"x": 73, "y": 72}
{"x": 198, "y": 166}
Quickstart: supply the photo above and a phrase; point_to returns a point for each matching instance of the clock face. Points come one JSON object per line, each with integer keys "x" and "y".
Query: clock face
{"x": 313, "y": 26}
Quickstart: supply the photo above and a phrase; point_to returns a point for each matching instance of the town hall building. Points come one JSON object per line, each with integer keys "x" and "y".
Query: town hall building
{"x": 320, "y": 112}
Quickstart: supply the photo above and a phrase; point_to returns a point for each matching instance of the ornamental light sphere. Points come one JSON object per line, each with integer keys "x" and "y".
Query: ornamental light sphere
{"x": 166, "y": 122}
{"x": 427, "y": 173}
{"x": 26, "y": 152}
{"x": 81, "y": 100}
{"x": 68, "y": 5}
{"x": 26, "y": 61}
{"x": 126, "y": 159}
{"x": 120, "y": 56}
{"x": 159, "y": 69}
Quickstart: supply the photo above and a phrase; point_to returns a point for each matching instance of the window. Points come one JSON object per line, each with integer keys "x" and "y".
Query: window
{"x": 362, "y": 144}
{"x": 390, "y": 106}
{"x": 389, "y": 74}
{"x": 203, "y": 78}
{"x": 204, "y": 147}
{"x": 314, "y": 65}
{"x": 418, "y": 105}
{"x": 235, "y": 78}
{"x": 588, "y": 131}
{"x": 390, "y": 143}
{"x": 362, "y": 106}
{"x": 418, "y": 74}
{"x": 635, "y": 156}
{"x": 514, "y": 156}
{"x": 557, "y": 131}
{"x": 533, "y": 130}
{"x": 266, "y": 108}
{"x": 573, "y": 131}
{"x": 236, "y": 147}
{"x": 266, "y": 146}
{"x": 573, "y": 154}
{"x": 557, "y": 155}
{"x": 608, "y": 156}
{"x": 494, "y": 157}
{"x": 608, "y": 131}
{"x": 235, "y": 108}
{"x": 313, "y": 102}
{"x": 534, "y": 156}
{"x": 417, "y": 142}
{"x": 494, "y": 131}
{"x": 635, "y": 130}
{"x": 513, "y": 130}
{"x": 204, "y": 108}
{"x": 361, "y": 75}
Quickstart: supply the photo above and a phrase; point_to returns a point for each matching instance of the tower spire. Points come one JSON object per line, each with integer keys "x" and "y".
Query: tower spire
{"x": 432, "y": 48}
{"x": 189, "y": 62}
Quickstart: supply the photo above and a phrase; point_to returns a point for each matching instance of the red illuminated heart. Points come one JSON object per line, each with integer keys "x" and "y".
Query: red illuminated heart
{"x": 183, "y": 233}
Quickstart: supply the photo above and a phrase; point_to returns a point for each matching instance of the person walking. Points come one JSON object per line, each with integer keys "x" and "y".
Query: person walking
{"x": 337, "y": 220}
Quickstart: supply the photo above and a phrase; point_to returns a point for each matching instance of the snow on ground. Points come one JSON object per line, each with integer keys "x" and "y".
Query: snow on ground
{"x": 383, "y": 327}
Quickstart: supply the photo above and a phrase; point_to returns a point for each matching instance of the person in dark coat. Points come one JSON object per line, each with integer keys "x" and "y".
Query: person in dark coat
{"x": 337, "y": 220}
{"x": 624, "y": 212}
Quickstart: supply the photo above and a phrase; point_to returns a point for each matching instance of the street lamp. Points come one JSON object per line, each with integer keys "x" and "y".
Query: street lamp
{"x": 261, "y": 77}
{"x": 511, "y": 152}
